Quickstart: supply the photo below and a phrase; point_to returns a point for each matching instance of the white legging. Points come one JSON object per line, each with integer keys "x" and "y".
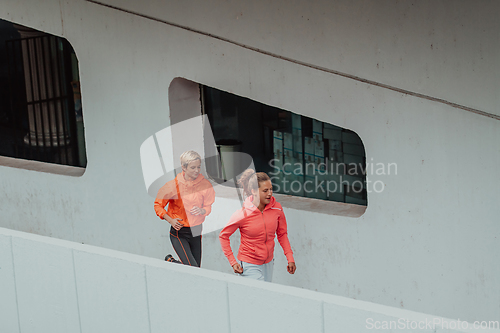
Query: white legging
{"x": 258, "y": 272}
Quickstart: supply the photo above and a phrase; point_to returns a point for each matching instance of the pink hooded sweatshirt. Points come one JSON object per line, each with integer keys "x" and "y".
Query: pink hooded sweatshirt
{"x": 257, "y": 230}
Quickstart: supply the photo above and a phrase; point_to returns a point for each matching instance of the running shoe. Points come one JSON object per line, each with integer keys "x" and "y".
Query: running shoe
{"x": 169, "y": 258}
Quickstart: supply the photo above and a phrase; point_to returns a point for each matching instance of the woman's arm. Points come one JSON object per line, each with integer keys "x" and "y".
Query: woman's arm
{"x": 224, "y": 235}
{"x": 159, "y": 205}
{"x": 282, "y": 234}
{"x": 208, "y": 200}
{"x": 165, "y": 194}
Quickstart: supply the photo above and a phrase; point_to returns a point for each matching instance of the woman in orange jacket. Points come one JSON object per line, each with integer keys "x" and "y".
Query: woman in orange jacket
{"x": 189, "y": 198}
{"x": 260, "y": 220}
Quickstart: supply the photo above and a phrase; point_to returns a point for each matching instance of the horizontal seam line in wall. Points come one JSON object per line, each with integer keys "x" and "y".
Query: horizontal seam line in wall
{"x": 298, "y": 62}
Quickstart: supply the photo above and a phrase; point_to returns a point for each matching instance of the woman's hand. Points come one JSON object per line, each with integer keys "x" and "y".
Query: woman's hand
{"x": 174, "y": 222}
{"x": 237, "y": 268}
{"x": 197, "y": 211}
{"x": 291, "y": 267}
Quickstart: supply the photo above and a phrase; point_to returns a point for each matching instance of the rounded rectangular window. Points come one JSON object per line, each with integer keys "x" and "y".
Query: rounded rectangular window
{"x": 41, "y": 115}
{"x": 303, "y": 156}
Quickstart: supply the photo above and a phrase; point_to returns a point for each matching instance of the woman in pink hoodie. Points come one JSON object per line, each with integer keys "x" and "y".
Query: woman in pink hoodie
{"x": 260, "y": 219}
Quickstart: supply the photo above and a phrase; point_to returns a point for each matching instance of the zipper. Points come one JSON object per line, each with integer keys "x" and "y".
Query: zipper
{"x": 265, "y": 230}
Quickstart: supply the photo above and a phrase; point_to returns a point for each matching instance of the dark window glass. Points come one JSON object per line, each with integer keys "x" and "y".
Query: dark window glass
{"x": 40, "y": 103}
{"x": 303, "y": 156}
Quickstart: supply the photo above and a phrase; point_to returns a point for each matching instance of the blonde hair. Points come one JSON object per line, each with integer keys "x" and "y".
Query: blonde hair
{"x": 188, "y": 157}
{"x": 250, "y": 180}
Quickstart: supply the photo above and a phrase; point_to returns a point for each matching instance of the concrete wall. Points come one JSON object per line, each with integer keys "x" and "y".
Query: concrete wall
{"x": 444, "y": 49}
{"x": 428, "y": 242}
{"x": 51, "y": 285}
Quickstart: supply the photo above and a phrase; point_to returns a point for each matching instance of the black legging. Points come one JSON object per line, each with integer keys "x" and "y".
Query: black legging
{"x": 187, "y": 247}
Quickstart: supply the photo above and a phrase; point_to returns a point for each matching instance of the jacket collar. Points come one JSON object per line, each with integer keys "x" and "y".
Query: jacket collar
{"x": 181, "y": 179}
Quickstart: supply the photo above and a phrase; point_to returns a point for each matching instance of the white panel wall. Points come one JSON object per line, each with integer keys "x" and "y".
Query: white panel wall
{"x": 428, "y": 242}
{"x": 111, "y": 293}
{"x": 8, "y": 301}
{"x": 46, "y": 288}
{"x": 277, "y": 308}
{"x": 80, "y": 288}
{"x": 185, "y": 301}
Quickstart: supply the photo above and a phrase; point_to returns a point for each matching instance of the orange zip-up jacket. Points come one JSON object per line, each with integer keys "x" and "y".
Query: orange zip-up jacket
{"x": 198, "y": 192}
{"x": 257, "y": 230}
